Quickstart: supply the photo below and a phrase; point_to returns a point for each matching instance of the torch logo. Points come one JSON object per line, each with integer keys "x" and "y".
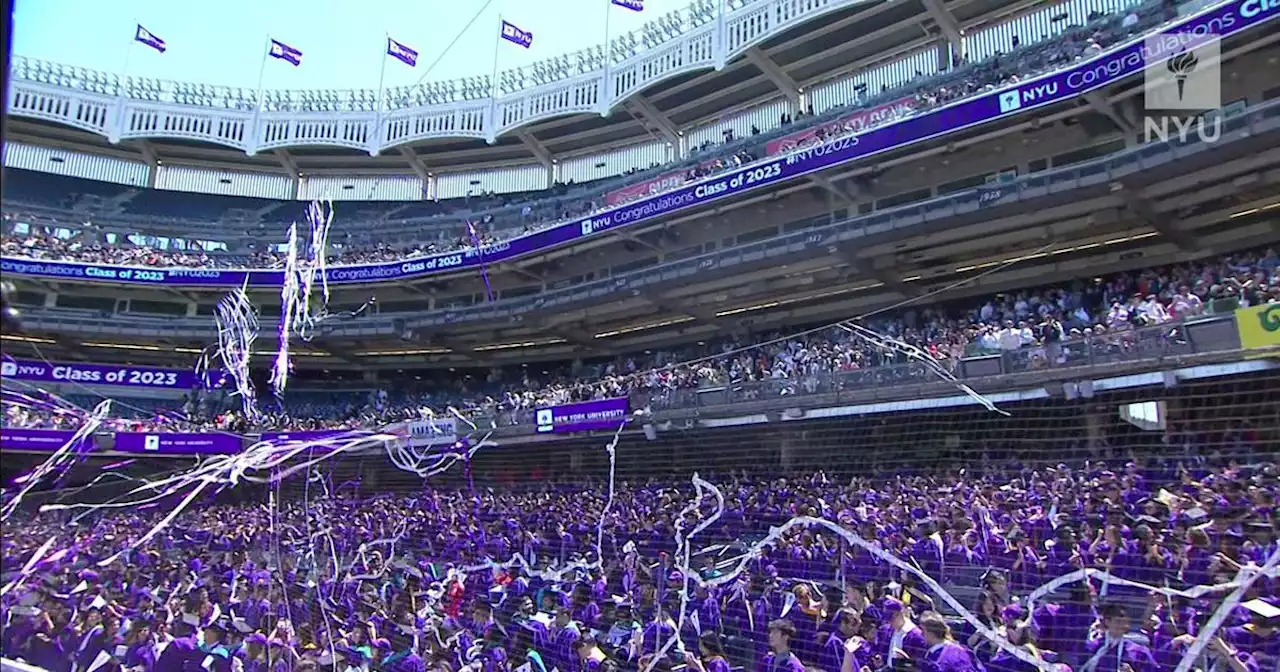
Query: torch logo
{"x": 1182, "y": 73}
{"x": 1181, "y": 65}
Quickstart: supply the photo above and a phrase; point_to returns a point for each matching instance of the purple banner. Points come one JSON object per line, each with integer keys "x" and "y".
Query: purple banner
{"x": 177, "y": 443}
{"x": 1101, "y": 70}
{"x": 97, "y": 374}
{"x": 39, "y": 440}
{"x": 584, "y": 416}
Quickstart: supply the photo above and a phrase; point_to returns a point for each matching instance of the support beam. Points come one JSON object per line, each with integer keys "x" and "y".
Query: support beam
{"x": 1106, "y": 109}
{"x": 458, "y": 347}
{"x": 1140, "y": 207}
{"x": 415, "y": 162}
{"x": 287, "y": 161}
{"x": 413, "y": 289}
{"x": 682, "y": 308}
{"x": 290, "y": 165}
{"x": 71, "y": 346}
{"x": 641, "y": 107}
{"x": 880, "y": 268}
{"x": 343, "y": 353}
{"x": 774, "y": 74}
{"x": 539, "y": 152}
{"x": 524, "y": 273}
{"x": 631, "y": 237}
{"x": 153, "y": 162}
{"x": 949, "y": 26}
{"x": 846, "y": 195}
{"x": 576, "y": 336}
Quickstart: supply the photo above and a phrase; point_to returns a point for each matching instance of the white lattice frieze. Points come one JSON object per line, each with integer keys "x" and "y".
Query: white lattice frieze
{"x": 581, "y": 96}
{"x": 79, "y": 109}
{"x": 595, "y": 80}
{"x": 277, "y": 130}
{"x": 464, "y": 120}
{"x": 150, "y": 120}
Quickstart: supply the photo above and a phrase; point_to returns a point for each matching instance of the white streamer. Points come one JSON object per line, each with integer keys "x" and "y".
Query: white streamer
{"x": 300, "y": 274}
{"x": 60, "y": 457}
{"x": 776, "y": 533}
{"x": 882, "y": 341}
{"x": 237, "y": 323}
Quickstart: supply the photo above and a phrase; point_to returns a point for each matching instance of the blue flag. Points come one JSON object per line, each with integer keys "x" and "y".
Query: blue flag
{"x": 148, "y": 38}
{"x": 633, "y": 5}
{"x": 285, "y": 52}
{"x": 512, "y": 33}
{"x": 402, "y": 52}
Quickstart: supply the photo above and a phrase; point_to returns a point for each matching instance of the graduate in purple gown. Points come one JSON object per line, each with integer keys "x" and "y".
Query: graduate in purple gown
{"x": 988, "y": 614}
{"x": 1217, "y": 656}
{"x": 99, "y": 639}
{"x": 217, "y": 656}
{"x": 404, "y": 658}
{"x": 845, "y": 640}
{"x": 710, "y": 657}
{"x": 780, "y": 658}
{"x": 590, "y": 657}
{"x": 1112, "y": 651}
{"x": 1064, "y": 627}
{"x": 253, "y": 654}
{"x": 944, "y": 654}
{"x": 898, "y": 637}
{"x": 585, "y": 610}
{"x": 139, "y": 646}
{"x": 558, "y": 647}
{"x": 1260, "y": 637}
{"x": 182, "y": 651}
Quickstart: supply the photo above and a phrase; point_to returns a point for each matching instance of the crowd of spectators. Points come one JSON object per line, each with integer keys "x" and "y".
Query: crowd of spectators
{"x": 1035, "y": 322}
{"x": 534, "y": 211}
{"x": 366, "y": 581}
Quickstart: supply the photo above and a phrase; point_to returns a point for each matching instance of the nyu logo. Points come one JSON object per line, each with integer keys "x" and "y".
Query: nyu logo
{"x": 1013, "y": 100}
{"x": 9, "y": 369}
{"x": 545, "y": 420}
{"x": 590, "y": 226}
{"x": 151, "y": 442}
{"x": 1010, "y": 101}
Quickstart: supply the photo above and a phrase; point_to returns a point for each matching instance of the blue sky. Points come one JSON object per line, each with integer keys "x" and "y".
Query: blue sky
{"x": 342, "y": 40}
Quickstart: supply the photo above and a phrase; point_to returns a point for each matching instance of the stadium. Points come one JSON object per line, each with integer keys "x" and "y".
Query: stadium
{"x": 836, "y": 335}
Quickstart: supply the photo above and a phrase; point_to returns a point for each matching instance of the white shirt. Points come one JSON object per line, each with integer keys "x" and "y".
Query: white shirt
{"x": 895, "y": 644}
{"x": 1154, "y": 310}
{"x": 1010, "y": 339}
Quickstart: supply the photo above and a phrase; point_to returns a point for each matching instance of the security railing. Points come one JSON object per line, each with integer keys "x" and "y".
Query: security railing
{"x": 1108, "y": 350}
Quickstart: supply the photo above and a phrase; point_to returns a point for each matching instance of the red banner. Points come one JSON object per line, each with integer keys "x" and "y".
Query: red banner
{"x": 656, "y": 185}
{"x": 851, "y": 123}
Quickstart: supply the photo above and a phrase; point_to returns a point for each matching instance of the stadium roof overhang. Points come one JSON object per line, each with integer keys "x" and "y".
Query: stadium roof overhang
{"x": 842, "y": 42}
{"x": 1154, "y": 218}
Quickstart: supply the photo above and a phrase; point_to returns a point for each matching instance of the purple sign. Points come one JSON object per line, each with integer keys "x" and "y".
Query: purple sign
{"x": 39, "y": 440}
{"x": 97, "y": 374}
{"x": 173, "y": 443}
{"x": 584, "y": 416}
{"x": 1101, "y": 70}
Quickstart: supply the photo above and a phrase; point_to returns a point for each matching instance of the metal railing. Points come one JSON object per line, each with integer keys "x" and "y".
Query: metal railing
{"x": 1198, "y": 336}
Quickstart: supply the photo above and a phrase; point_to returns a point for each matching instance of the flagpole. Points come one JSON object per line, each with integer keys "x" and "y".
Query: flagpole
{"x": 497, "y": 45}
{"x": 608, "y": 56}
{"x": 128, "y": 55}
{"x": 382, "y": 76}
{"x": 122, "y": 91}
{"x": 262, "y": 71}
